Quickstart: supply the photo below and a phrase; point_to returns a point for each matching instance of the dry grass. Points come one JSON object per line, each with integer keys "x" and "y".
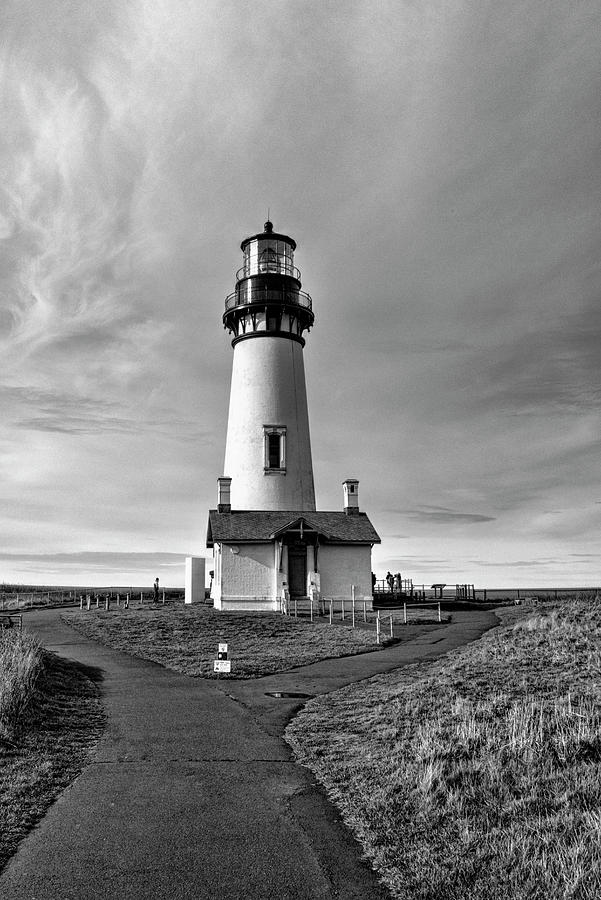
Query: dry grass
{"x": 476, "y": 776}
{"x": 50, "y": 742}
{"x": 20, "y": 665}
{"x": 185, "y": 638}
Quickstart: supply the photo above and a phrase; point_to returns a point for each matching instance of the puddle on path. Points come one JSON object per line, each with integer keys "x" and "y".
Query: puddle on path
{"x": 281, "y": 695}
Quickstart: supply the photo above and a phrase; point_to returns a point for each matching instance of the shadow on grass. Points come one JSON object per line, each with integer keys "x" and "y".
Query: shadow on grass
{"x": 51, "y": 745}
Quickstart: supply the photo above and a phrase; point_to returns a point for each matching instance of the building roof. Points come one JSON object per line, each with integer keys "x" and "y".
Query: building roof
{"x": 264, "y": 526}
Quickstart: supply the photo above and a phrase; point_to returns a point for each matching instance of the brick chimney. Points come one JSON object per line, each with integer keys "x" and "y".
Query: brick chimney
{"x": 351, "y": 496}
{"x": 223, "y": 494}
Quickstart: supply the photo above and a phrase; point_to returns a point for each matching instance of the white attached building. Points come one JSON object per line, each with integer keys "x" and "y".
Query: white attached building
{"x": 262, "y": 557}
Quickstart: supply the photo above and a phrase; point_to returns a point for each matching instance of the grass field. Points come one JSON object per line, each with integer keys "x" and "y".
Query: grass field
{"x": 185, "y": 638}
{"x": 50, "y": 719}
{"x": 476, "y": 776}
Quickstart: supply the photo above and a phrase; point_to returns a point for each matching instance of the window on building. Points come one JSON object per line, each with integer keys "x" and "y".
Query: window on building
{"x": 275, "y": 448}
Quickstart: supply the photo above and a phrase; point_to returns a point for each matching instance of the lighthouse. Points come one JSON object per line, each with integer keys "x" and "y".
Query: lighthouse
{"x": 268, "y": 448}
{"x": 270, "y": 544}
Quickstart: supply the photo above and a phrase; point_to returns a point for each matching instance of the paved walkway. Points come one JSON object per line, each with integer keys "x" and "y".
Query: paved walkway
{"x": 192, "y": 792}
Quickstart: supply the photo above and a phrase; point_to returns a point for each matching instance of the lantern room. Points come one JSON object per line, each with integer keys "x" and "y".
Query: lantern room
{"x": 268, "y": 253}
{"x": 268, "y": 297}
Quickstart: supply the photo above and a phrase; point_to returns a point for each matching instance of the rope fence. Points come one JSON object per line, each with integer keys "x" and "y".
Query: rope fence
{"x": 358, "y": 613}
{"x": 87, "y": 598}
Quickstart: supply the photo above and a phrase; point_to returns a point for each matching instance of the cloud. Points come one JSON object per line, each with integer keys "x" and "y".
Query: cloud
{"x": 97, "y": 559}
{"x": 440, "y": 515}
{"x": 437, "y": 165}
{"x": 95, "y": 568}
{"x": 38, "y": 409}
{"x": 538, "y": 563}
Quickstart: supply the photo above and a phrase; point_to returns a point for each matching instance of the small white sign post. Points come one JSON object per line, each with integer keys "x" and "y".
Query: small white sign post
{"x": 222, "y": 663}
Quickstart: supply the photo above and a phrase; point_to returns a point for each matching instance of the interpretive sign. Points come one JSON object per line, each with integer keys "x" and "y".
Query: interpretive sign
{"x": 222, "y": 665}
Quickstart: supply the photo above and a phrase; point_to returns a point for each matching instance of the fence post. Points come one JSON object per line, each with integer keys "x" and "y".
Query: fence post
{"x": 331, "y": 609}
{"x": 81, "y": 601}
{"x": 378, "y": 627}
{"x": 353, "y": 603}
{"x": 163, "y": 596}
{"x": 439, "y": 618}
{"x": 364, "y": 611}
{"x": 342, "y": 608}
{"x": 126, "y": 602}
{"x": 106, "y": 602}
{"x": 405, "y": 613}
{"x": 88, "y": 601}
{"x": 311, "y": 602}
{"x": 141, "y": 597}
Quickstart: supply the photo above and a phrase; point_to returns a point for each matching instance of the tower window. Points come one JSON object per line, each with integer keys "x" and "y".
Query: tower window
{"x": 275, "y": 449}
{"x": 273, "y": 446}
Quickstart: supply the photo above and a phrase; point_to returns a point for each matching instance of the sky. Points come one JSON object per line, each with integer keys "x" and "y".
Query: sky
{"x": 437, "y": 163}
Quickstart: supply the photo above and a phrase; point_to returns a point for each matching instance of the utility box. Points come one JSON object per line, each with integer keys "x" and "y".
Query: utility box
{"x": 195, "y": 579}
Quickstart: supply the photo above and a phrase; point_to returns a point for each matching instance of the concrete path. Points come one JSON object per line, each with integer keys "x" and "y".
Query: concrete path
{"x": 192, "y": 792}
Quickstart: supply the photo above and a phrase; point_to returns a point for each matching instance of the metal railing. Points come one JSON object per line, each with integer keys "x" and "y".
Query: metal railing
{"x": 394, "y": 585}
{"x": 261, "y": 296}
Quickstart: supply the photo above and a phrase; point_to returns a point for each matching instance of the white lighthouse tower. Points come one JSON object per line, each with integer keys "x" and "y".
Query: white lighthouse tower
{"x": 270, "y": 545}
{"x": 268, "y": 448}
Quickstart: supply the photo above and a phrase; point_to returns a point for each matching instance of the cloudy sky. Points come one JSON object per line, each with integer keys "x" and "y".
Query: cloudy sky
{"x": 438, "y": 164}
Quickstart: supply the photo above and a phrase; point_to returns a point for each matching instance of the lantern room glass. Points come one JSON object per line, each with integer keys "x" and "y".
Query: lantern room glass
{"x": 266, "y": 255}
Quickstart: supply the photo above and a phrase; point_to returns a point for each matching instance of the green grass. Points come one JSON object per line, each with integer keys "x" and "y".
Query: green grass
{"x": 478, "y": 775}
{"x": 185, "y": 638}
{"x": 54, "y": 725}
